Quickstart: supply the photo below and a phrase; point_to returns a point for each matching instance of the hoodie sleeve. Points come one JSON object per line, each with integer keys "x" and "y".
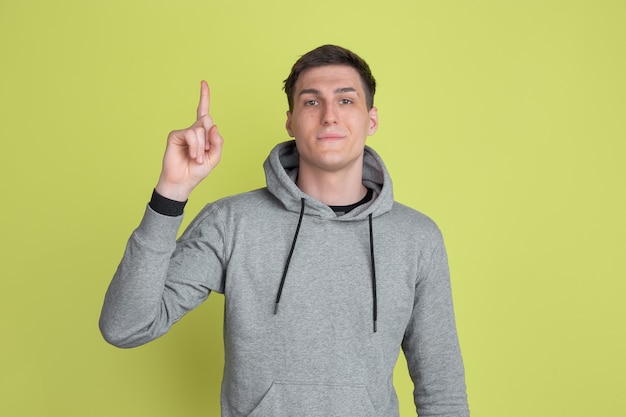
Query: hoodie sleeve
{"x": 431, "y": 343}
{"x": 160, "y": 279}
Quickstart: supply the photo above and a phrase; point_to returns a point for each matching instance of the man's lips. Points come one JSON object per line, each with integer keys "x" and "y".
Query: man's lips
{"x": 330, "y": 136}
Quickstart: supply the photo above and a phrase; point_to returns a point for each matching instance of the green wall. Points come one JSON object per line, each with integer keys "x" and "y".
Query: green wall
{"x": 502, "y": 120}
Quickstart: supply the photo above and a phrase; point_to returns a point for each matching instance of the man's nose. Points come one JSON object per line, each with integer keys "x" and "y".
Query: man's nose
{"x": 330, "y": 114}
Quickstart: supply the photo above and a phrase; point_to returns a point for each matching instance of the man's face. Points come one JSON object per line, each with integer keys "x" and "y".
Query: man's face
{"x": 330, "y": 120}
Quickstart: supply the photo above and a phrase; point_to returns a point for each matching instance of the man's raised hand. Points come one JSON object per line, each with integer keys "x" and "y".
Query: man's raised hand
{"x": 191, "y": 153}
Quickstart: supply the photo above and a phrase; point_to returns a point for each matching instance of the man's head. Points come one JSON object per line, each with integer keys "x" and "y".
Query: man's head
{"x": 331, "y": 55}
{"x": 331, "y": 112}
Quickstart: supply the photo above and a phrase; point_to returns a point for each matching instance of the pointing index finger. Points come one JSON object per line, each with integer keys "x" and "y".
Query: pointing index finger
{"x": 203, "y": 105}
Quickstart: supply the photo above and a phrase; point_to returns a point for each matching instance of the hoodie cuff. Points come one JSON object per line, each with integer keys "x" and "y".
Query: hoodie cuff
{"x": 165, "y": 206}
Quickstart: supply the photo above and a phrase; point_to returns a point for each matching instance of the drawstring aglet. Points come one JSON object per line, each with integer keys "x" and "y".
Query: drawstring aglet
{"x": 275, "y": 308}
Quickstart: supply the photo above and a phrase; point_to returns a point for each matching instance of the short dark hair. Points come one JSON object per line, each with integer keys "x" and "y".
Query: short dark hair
{"x": 331, "y": 55}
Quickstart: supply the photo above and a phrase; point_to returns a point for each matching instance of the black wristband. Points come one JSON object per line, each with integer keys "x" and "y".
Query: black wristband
{"x": 165, "y": 206}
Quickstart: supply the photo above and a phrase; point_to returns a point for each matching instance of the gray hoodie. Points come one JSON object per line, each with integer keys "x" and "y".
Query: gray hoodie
{"x": 317, "y": 305}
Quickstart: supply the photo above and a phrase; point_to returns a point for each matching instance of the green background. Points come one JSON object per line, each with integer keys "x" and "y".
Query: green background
{"x": 502, "y": 120}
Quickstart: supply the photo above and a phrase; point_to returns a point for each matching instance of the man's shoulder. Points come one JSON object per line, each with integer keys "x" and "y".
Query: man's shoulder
{"x": 236, "y": 207}
{"x": 413, "y": 219}
{"x": 255, "y": 196}
{"x": 242, "y": 202}
{"x": 403, "y": 210}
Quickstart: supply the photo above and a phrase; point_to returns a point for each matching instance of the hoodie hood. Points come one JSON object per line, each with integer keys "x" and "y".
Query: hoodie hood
{"x": 281, "y": 172}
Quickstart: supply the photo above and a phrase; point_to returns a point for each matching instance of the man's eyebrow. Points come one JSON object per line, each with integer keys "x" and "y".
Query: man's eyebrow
{"x": 337, "y": 91}
{"x": 309, "y": 91}
{"x": 345, "y": 90}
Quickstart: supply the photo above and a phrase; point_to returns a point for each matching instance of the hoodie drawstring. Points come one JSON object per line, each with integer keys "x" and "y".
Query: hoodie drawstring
{"x": 373, "y": 265}
{"x": 374, "y": 297}
{"x": 293, "y": 246}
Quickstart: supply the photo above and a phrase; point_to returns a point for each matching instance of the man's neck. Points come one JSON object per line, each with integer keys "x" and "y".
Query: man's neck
{"x": 331, "y": 188}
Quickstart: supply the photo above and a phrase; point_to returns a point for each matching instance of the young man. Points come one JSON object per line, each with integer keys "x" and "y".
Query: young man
{"x": 325, "y": 277}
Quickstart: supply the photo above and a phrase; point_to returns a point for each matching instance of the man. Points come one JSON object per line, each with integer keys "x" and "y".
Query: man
{"x": 325, "y": 277}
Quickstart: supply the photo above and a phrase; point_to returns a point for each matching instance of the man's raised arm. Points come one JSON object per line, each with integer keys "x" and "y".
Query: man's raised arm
{"x": 147, "y": 294}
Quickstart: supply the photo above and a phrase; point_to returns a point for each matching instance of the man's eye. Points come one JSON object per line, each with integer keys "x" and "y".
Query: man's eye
{"x": 346, "y": 101}
{"x": 310, "y": 103}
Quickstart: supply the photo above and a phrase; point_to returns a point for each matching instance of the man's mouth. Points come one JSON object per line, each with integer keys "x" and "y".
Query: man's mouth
{"x": 331, "y": 136}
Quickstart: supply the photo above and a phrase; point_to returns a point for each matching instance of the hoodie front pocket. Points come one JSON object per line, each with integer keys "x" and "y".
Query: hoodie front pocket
{"x": 314, "y": 400}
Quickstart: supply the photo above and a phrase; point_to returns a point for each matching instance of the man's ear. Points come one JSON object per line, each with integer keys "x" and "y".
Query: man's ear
{"x": 373, "y": 113}
{"x": 288, "y": 124}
